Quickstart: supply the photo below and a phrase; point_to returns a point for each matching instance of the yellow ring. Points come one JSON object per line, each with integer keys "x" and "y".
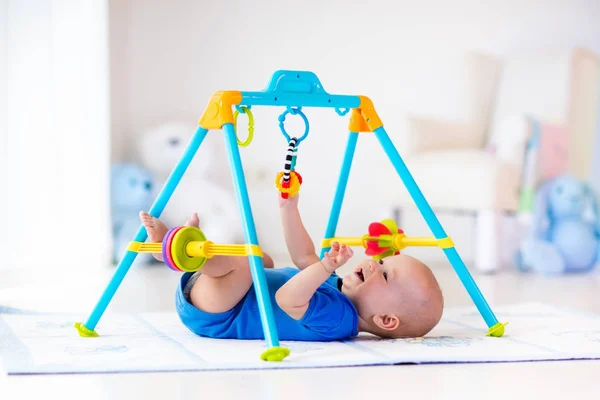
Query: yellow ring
{"x": 179, "y": 245}
{"x": 294, "y": 184}
{"x": 247, "y": 111}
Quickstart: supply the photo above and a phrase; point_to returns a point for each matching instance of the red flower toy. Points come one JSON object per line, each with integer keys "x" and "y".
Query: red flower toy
{"x": 382, "y": 239}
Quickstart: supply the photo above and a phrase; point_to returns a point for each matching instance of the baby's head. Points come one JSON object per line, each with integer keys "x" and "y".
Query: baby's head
{"x": 395, "y": 297}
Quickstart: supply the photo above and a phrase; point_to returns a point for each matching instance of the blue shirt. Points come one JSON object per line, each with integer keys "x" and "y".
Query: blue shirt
{"x": 330, "y": 314}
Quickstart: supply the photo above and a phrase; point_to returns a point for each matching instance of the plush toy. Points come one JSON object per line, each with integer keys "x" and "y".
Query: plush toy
{"x": 565, "y": 229}
{"x": 131, "y": 192}
{"x": 160, "y": 148}
{"x": 202, "y": 188}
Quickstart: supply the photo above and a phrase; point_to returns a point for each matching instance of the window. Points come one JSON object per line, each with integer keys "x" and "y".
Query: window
{"x": 55, "y": 134}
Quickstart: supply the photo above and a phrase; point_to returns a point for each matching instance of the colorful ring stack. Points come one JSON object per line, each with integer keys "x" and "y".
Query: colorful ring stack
{"x": 174, "y": 249}
{"x": 166, "y": 248}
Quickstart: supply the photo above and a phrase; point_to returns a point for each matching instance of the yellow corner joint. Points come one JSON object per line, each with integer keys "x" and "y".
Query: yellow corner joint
{"x": 357, "y": 122}
{"x": 364, "y": 118}
{"x": 218, "y": 111}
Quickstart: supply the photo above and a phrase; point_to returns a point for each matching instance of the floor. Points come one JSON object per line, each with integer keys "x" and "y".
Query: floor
{"x": 151, "y": 289}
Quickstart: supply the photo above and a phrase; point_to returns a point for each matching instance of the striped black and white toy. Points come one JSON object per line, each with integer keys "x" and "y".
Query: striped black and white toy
{"x": 288, "y": 181}
{"x": 289, "y": 158}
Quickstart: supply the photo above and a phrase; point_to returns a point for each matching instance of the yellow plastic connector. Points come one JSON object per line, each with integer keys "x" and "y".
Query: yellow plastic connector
{"x": 141, "y": 247}
{"x": 206, "y": 249}
{"x": 348, "y": 241}
{"x": 218, "y": 111}
{"x": 199, "y": 249}
{"x": 357, "y": 122}
{"x": 365, "y": 118}
{"x": 209, "y": 249}
{"x": 445, "y": 243}
{"x": 401, "y": 241}
{"x": 369, "y": 113}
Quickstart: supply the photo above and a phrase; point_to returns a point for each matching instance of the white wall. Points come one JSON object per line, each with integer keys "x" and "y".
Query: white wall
{"x": 55, "y": 134}
{"x": 3, "y": 120}
{"x": 169, "y": 57}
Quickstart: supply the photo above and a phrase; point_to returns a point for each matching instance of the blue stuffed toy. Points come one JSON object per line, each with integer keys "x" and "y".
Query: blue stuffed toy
{"x": 565, "y": 229}
{"x": 131, "y": 192}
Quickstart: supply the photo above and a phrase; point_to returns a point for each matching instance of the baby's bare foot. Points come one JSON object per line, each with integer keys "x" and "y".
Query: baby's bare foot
{"x": 193, "y": 221}
{"x": 156, "y": 230}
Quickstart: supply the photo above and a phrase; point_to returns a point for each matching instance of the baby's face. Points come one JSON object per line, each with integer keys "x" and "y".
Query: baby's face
{"x": 398, "y": 285}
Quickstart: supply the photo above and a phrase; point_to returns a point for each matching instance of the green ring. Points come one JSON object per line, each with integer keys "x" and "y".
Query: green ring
{"x": 246, "y": 111}
{"x": 180, "y": 240}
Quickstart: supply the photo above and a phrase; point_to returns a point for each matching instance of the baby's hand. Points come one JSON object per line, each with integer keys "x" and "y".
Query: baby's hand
{"x": 336, "y": 257}
{"x": 289, "y": 202}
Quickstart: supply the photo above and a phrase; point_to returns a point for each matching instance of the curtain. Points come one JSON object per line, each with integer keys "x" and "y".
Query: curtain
{"x": 55, "y": 134}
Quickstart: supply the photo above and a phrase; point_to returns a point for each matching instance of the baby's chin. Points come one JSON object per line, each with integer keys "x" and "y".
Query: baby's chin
{"x": 351, "y": 281}
{"x": 349, "y": 287}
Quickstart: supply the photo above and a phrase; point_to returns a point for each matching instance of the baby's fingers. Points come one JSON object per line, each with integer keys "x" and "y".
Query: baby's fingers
{"x": 345, "y": 253}
{"x": 332, "y": 253}
{"x": 350, "y": 252}
{"x": 335, "y": 249}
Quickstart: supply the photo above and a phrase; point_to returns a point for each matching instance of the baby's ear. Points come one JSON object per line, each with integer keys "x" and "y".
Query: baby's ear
{"x": 389, "y": 322}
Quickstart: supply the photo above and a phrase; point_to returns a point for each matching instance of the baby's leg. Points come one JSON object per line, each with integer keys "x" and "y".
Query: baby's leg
{"x": 223, "y": 282}
{"x": 157, "y": 230}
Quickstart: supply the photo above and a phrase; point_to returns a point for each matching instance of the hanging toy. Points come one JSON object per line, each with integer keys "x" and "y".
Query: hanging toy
{"x": 289, "y": 186}
{"x": 384, "y": 239}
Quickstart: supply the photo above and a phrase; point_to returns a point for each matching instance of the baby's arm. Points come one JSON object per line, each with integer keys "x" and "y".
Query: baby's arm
{"x": 294, "y": 297}
{"x": 299, "y": 244}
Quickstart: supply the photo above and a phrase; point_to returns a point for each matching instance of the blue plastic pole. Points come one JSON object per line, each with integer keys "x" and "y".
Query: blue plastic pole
{"x": 435, "y": 226}
{"x": 340, "y": 190}
{"x": 256, "y": 262}
{"x": 156, "y": 210}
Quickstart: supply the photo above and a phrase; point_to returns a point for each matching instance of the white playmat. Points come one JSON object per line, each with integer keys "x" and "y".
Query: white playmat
{"x": 33, "y": 343}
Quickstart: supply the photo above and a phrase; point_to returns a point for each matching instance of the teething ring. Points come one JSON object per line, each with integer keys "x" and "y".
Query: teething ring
{"x": 294, "y": 183}
{"x": 245, "y": 110}
{"x": 178, "y": 249}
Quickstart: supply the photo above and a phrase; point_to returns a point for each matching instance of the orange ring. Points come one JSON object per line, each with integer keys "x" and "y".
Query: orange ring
{"x": 294, "y": 184}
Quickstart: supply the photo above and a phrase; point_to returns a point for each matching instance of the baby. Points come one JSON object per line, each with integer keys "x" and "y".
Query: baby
{"x": 393, "y": 298}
